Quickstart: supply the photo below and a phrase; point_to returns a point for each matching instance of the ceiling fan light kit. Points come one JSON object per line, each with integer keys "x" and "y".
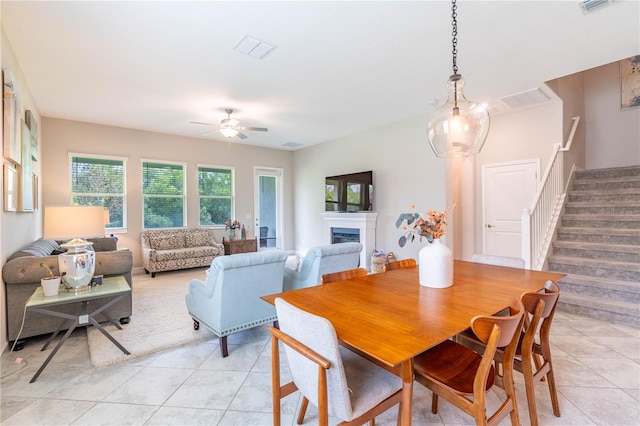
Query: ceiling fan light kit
{"x": 230, "y": 127}
{"x": 459, "y": 127}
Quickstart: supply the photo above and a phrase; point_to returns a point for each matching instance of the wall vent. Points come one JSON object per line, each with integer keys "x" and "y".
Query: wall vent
{"x": 588, "y": 6}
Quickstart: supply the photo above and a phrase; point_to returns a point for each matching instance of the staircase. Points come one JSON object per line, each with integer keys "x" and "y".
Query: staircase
{"x": 598, "y": 246}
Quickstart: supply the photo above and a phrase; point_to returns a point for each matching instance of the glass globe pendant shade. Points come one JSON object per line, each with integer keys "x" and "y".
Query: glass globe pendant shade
{"x": 460, "y": 127}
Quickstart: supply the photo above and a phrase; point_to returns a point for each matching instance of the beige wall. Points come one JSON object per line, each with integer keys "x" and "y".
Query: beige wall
{"x": 61, "y": 137}
{"x": 612, "y": 135}
{"x": 16, "y": 228}
{"x": 405, "y": 172}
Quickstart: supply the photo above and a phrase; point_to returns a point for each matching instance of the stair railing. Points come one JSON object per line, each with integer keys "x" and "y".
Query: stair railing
{"x": 539, "y": 221}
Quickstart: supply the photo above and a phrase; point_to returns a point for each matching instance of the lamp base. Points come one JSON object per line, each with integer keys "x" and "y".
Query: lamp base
{"x": 77, "y": 268}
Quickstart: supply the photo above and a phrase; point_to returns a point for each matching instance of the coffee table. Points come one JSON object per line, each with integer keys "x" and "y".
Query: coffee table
{"x": 89, "y": 304}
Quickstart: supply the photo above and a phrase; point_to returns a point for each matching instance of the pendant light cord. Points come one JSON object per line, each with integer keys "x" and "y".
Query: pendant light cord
{"x": 454, "y": 34}
{"x": 454, "y": 41}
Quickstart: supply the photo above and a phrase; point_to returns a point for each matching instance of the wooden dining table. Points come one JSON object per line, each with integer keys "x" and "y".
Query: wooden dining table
{"x": 390, "y": 318}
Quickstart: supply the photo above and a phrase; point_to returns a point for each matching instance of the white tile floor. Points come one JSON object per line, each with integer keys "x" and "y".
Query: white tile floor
{"x": 597, "y": 368}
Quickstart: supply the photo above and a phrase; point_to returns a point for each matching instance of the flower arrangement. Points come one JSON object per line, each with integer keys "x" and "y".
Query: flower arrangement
{"x": 228, "y": 224}
{"x": 431, "y": 225}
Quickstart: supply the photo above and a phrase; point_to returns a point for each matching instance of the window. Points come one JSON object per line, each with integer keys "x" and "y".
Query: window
{"x": 100, "y": 181}
{"x": 164, "y": 194}
{"x": 215, "y": 187}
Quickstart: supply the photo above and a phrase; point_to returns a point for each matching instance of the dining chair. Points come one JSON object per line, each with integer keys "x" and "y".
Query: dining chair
{"x": 454, "y": 372}
{"x": 338, "y": 382}
{"x": 401, "y": 264}
{"x": 343, "y": 275}
{"x": 511, "y": 262}
{"x": 533, "y": 359}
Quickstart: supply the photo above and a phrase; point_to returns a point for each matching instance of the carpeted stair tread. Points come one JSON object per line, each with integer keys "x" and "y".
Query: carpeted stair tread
{"x": 604, "y": 221}
{"x": 614, "y": 194}
{"x": 626, "y": 271}
{"x": 603, "y": 263}
{"x": 604, "y": 288}
{"x": 596, "y": 307}
{"x": 613, "y": 172}
{"x": 590, "y": 250}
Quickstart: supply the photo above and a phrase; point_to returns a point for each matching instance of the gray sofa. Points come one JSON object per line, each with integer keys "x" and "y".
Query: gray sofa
{"x": 178, "y": 248}
{"x": 22, "y": 273}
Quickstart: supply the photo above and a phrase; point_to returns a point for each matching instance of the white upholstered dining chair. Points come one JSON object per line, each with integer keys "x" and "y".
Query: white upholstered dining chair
{"x": 338, "y": 381}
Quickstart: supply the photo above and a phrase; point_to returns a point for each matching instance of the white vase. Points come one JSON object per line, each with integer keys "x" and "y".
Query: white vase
{"x": 435, "y": 265}
{"x": 50, "y": 286}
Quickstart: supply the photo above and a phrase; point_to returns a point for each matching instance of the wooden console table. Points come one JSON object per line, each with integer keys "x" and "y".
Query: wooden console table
{"x": 239, "y": 246}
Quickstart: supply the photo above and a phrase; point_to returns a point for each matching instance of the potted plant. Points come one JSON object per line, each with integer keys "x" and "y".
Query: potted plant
{"x": 51, "y": 284}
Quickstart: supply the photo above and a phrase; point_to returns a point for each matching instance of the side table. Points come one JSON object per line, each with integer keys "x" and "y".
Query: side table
{"x": 239, "y": 246}
{"x": 89, "y": 305}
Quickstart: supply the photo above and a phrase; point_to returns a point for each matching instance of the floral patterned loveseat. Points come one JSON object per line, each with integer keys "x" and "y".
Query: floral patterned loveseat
{"x": 178, "y": 248}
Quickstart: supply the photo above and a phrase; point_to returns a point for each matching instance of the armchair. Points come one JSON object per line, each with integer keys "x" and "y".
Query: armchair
{"x": 322, "y": 260}
{"x": 229, "y": 301}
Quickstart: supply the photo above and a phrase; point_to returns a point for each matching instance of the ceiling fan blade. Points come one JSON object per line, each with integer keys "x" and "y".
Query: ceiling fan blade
{"x": 255, "y": 129}
{"x": 210, "y": 132}
{"x": 241, "y": 135}
{"x": 200, "y": 122}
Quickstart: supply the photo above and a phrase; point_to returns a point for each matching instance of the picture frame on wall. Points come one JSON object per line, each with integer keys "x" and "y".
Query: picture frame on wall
{"x": 630, "y": 82}
{"x": 10, "y": 199}
{"x": 11, "y": 121}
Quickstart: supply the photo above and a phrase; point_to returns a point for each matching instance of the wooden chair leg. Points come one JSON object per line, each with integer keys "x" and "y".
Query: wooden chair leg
{"x": 223, "y": 347}
{"x": 275, "y": 380}
{"x": 303, "y": 410}
{"x": 552, "y": 391}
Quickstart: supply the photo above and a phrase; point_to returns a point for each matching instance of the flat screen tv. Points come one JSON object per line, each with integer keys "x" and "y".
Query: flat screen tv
{"x": 352, "y": 192}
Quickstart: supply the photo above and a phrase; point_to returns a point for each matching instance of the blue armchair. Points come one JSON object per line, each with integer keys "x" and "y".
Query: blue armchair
{"x": 229, "y": 301}
{"x": 322, "y": 260}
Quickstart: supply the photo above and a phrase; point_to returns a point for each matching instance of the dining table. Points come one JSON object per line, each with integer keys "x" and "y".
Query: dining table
{"x": 390, "y": 318}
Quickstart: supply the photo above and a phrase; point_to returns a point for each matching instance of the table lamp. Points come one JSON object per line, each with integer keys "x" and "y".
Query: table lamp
{"x": 79, "y": 262}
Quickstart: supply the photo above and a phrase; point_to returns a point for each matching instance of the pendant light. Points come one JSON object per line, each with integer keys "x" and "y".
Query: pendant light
{"x": 458, "y": 127}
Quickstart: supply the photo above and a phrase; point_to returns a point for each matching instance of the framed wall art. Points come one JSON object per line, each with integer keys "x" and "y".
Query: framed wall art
{"x": 630, "y": 82}
{"x": 10, "y": 200}
{"x": 11, "y": 120}
{"x": 26, "y": 171}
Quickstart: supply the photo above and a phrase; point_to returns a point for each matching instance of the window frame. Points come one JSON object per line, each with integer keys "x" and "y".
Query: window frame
{"x": 124, "y": 160}
{"x": 232, "y": 197}
{"x": 184, "y": 167}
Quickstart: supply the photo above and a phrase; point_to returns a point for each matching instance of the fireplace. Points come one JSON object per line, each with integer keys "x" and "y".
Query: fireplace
{"x": 345, "y": 235}
{"x": 348, "y": 227}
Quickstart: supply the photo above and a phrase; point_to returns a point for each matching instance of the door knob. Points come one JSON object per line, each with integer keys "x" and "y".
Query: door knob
{"x": 490, "y": 226}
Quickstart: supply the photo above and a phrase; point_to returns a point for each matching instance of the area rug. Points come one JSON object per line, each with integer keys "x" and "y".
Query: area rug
{"x": 160, "y": 319}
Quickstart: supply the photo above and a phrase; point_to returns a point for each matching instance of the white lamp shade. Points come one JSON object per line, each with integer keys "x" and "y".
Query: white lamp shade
{"x": 64, "y": 222}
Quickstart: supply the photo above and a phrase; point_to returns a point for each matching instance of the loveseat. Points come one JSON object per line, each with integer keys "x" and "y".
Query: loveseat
{"x": 22, "y": 273}
{"x": 178, "y": 248}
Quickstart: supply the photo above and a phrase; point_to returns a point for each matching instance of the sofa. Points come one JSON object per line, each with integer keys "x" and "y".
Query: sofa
{"x": 229, "y": 301}
{"x": 22, "y": 273}
{"x": 322, "y": 260}
{"x": 178, "y": 248}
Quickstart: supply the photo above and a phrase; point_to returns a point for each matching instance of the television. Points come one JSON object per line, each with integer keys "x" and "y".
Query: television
{"x": 352, "y": 192}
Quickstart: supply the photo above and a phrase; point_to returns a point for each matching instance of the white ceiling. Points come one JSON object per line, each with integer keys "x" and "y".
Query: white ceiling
{"x": 339, "y": 67}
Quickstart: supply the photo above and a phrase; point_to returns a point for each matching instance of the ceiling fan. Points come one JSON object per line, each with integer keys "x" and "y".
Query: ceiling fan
{"x": 230, "y": 127}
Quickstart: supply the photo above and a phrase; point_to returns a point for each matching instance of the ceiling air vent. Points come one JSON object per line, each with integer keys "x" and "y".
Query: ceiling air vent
{"x": 524, "y": 99}
{"x": 588, "y": 6}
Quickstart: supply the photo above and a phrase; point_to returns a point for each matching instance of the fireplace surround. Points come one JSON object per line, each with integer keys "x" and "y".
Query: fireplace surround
{"x": 364, "y": 222}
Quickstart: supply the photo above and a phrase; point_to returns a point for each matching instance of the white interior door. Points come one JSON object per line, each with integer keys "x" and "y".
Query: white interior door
{"x": 268, "y": 207}
{"x": 507, "y": 189}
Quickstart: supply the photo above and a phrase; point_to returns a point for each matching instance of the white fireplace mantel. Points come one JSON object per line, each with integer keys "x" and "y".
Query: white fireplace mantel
{"x": 365, "y": 222}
